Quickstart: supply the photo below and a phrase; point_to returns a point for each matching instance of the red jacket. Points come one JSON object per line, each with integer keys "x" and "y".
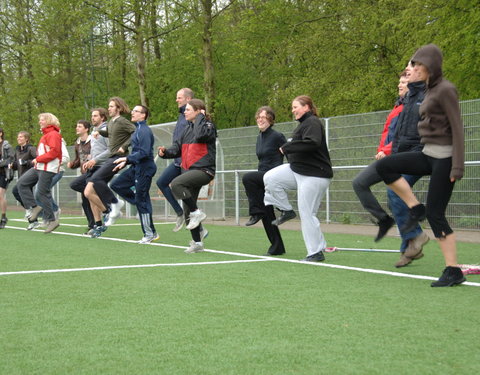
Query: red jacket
{"x": 49, "y": 150}
{"x": 388, "y": 130}
{"x": 196, "y": 146}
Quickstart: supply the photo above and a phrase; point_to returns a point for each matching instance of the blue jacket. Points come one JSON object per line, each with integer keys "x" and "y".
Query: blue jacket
{"x": 406, "y": 137}
{"x": 142, "y": 144}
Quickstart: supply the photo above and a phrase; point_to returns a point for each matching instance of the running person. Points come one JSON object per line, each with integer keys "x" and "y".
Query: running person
{"x": 197, "y": 148}
{"x": 139, "y": 175}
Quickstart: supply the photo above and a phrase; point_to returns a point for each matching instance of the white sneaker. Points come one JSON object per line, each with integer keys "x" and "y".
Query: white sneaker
{"x": 203, "y": 234}
{"x": 116, "y": 207}
{"x": 149, "y": 239}
{"x": 34, "y": 213}
{"x": 196, "y": 218}
{"x": 28, "y": 213}
{"x": 179, "y": 223}
{"x": 112, "y": 219}
{"x": 194, "y": 247}
{"x": 33, "y": 225}
{"x": 115, "y": 213}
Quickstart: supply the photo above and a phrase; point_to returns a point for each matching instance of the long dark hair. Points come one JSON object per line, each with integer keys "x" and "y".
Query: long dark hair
{"x": 121, "y": 105}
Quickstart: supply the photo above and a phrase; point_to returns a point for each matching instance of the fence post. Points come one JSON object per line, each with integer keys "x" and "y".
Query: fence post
{"x": 327, "y": 194}
{"x": 237, "y": 199}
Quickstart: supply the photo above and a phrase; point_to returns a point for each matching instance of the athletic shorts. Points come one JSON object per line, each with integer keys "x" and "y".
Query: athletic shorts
{"x": 3, "y": 182}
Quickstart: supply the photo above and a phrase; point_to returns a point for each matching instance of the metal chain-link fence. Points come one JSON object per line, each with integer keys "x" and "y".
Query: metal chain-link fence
{"x": 352, "y": 140}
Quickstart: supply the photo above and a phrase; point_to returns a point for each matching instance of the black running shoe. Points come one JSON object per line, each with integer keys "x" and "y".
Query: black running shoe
{"x": 254, "y": 219}
{"x": 451, "y": 276}
{"x": 285, "y": 216}
{"x": 384, "y": 226}
{"x": 317, "y": 257}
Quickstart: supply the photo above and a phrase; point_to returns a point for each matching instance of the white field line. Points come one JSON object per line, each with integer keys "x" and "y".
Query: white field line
{"x": 258, "y": 257}
{"x": 131, "y": 266}
{"x": 337, "y": 266}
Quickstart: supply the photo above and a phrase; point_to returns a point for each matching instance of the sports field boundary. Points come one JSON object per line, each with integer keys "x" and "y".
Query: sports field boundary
{"x": 230, "y": 253}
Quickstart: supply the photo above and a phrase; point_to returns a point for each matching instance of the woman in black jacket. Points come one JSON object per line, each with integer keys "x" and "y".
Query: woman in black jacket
{"x": 269, "y": 156}
{"x": 197, "y": 148}
{"x": 442, "y": 158}
{"x": 309, "y": 171}
{"x": 23, "y": 161}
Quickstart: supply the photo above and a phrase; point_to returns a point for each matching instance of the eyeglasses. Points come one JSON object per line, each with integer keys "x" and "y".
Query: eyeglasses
{"x": 137, "y": 111}
{"x": 262, "y": 117}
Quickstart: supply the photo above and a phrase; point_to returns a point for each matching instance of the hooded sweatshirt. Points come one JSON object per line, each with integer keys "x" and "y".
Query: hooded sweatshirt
{"x": 440, "y": 121}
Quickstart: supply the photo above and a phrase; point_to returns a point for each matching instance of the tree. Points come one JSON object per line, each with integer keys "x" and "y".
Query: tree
{"x": 63, "y": 56}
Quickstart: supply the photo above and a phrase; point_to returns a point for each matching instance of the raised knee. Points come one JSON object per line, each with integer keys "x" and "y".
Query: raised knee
{"x": 88, "y": 190}
{"x": 162, "y": 184}
{"x": 356, "y": 184}
{"x": 359, "y": 184}
{"x": 267, "y": 179}
{"x": 175, "y": 188}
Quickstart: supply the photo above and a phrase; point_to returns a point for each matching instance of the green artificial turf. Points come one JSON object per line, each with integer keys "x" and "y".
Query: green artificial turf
{"x": 261, "y": 317}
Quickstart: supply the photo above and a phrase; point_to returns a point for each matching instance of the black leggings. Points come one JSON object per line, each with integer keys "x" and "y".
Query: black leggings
{"x": 187, "y": 187}
{"x": 440, "y": 187}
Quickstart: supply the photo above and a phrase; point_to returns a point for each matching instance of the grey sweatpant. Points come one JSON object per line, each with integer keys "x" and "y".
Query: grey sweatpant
{"x": 43, "y": 195}
{"x": 310, "y": 191}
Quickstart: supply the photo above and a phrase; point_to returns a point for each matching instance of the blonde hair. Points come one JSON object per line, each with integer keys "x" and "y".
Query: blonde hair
{"x": 50, "y": 118}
